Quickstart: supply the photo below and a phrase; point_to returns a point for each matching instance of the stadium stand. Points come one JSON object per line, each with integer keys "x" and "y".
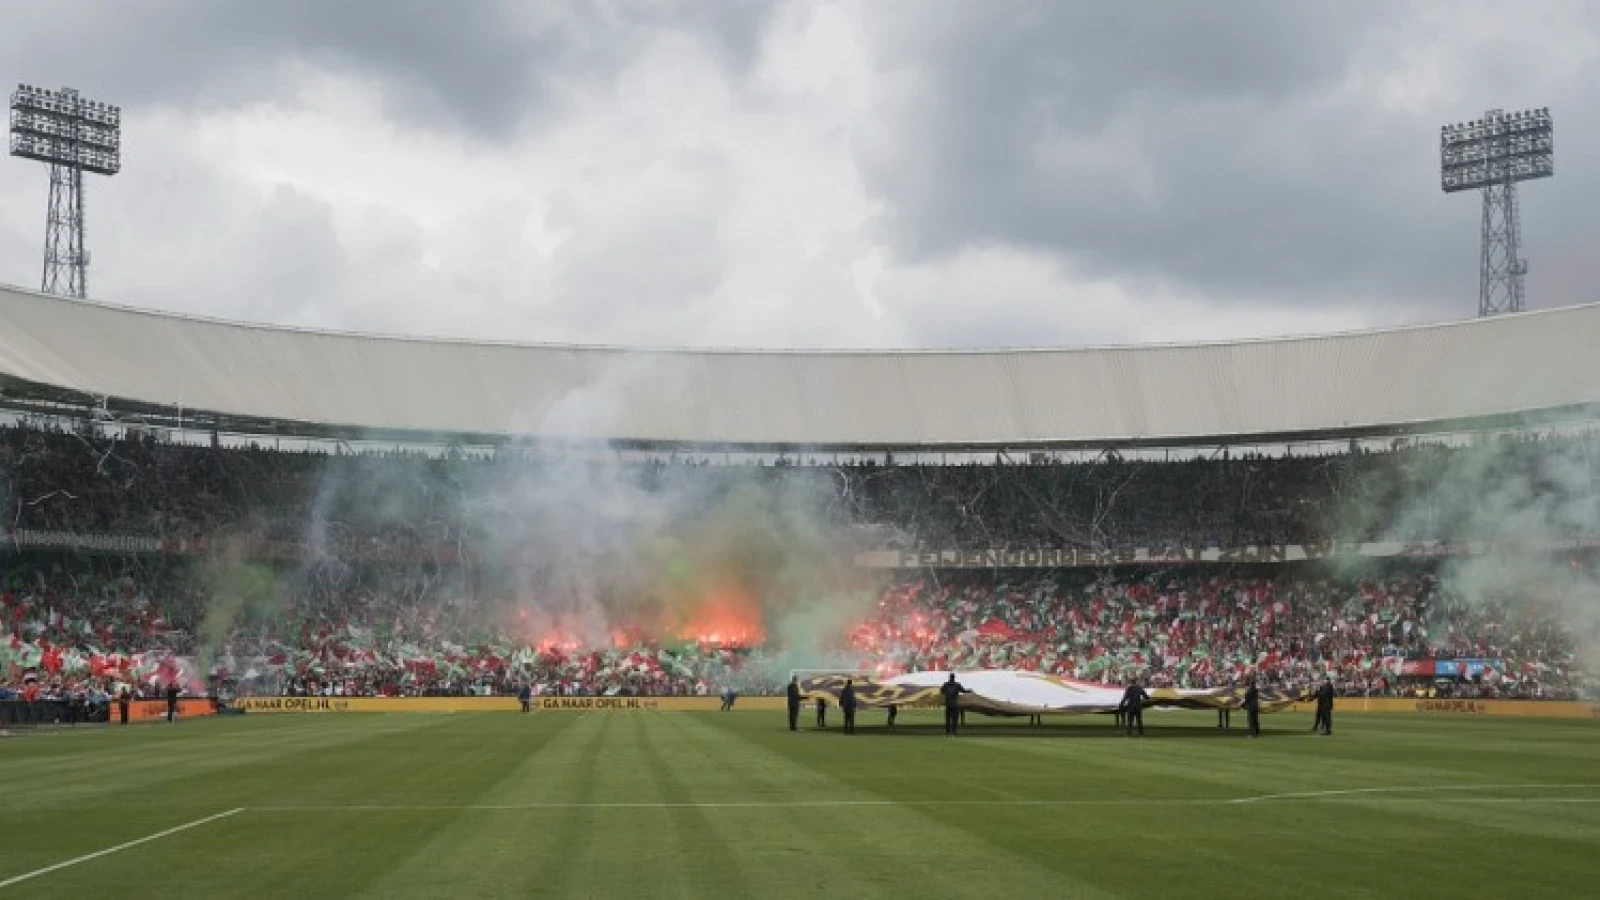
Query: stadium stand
{"x": 389, "y": 570}
{"x": 383, "y": 615}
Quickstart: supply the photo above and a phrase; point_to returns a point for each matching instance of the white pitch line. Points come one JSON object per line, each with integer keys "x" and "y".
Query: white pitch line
{"x": 733, "y": 804}
{"x": 110, "y": 850}
{"x": 1516, "y": 799}
{"x": 1313, "y": 795}
{"x": 830, "y": 804}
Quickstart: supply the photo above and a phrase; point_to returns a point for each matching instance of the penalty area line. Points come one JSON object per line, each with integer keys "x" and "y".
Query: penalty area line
{"x": 18, "y": 879}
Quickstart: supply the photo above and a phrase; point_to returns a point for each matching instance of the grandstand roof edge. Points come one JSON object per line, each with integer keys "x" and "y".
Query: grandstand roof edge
{"x": 790, "y": 351}
{"x": 205, "y": 420}
{"x": 269, "y": 380}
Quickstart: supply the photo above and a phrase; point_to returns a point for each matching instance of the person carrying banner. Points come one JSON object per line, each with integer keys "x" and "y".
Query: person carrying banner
{"x": 951, "y": 691}
{"x": 1132, "y": 707}
{"x": 1252, "y": 708}
{"x": 847, "y": 703}
{"x": 792, "y": 695}
{"x": 1324, "y": 721}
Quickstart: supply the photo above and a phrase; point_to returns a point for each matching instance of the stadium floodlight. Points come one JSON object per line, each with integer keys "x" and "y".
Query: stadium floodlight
{"x": 73, "y": 136}
{"x": 1492, "y": 154}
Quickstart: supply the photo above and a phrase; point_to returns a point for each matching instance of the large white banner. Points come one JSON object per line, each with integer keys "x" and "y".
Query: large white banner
{"x": 1017, "y": 693}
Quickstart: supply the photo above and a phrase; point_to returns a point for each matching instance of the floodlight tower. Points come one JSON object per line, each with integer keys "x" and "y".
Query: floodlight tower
{"x": 1493, "y": 154}
{"x": 74, "y": 136}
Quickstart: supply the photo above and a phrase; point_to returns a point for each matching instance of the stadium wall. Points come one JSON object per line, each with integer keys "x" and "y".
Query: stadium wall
{"x": 494, "y": 704}
{"x": 1558, "y": 709}
{"x": 911, "y": 560}
{"x": 1079, "y": 557}
{"x": 1538, "y": 708}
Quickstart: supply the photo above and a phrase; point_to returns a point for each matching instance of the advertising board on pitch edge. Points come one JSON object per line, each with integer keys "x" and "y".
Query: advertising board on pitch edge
{"x": 492, "y": 704}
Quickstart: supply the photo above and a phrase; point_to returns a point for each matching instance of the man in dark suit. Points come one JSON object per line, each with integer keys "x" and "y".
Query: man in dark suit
{"x": 1324, "y": 721}
{"x": 172, "y": 702}
{"x": 847, "y": 703}
{"x": 951, "y": 691}
{"x": 792, "y": 695}
{"x": 1133, "y": 707}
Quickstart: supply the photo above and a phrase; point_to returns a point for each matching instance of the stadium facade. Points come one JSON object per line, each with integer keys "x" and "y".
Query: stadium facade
{"x": 60, "y": 355}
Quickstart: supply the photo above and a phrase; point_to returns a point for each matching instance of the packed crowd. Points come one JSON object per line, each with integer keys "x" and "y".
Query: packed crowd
{"x": 358, "y": 504}
{"x": 1288, "y": 629}
{"x": 80, "y": 625}
{"x": 89, "y": 626}
{"x": 389, "y": 569}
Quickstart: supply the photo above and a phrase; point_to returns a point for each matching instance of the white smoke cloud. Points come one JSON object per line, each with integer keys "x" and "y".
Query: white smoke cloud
{"x": 580, "y": 544}
{"x": 1522, "y": 502}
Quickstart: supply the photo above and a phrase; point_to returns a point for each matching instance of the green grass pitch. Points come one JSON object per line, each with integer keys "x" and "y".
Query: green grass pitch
{"x": 700, "y": 805}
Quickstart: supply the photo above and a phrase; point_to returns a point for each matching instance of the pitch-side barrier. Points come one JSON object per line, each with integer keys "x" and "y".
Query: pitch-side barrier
{"x": 496, "y": 704}
{"x": 1547, "y": 708}
{"x": 1559, "y": 709}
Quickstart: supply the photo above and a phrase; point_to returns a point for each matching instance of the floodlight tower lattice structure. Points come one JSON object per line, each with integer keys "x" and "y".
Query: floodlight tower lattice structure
{"x": 1492, "y": 154}
{"x": 73, "y": 136}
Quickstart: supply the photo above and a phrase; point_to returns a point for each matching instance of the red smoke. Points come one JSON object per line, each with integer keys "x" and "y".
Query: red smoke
{"x": 726, "y": 617}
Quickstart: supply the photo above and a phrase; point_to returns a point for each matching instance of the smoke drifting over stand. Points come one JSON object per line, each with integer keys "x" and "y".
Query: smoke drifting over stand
{"x": 583, "y": 547}
{"x": 615, "y": 551}
{"x": 1522, "y": 502}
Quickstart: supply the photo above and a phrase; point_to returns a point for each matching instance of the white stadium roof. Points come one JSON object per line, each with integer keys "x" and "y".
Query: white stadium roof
{"x": 254, "y": 378}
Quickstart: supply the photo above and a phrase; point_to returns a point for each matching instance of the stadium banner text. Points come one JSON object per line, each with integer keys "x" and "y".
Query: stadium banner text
{"x": 656, "y": 704}
{"x": 990, "y": 558}
{"x": 1557, "y": 709}
{"x": 1078, "y": 557}
{"x": 374, "y": 704}
{"x": 148, "y": 710}
{"x": 491, "y": 704}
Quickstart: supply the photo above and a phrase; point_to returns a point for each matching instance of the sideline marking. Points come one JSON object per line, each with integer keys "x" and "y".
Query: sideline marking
{"x": 804, "y": 804}
{"x": 110, "y": 850}
{"x": 1313, "y": 795}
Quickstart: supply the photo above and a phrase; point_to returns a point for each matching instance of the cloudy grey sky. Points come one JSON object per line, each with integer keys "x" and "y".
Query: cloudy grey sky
{"x": 821, "y": 174}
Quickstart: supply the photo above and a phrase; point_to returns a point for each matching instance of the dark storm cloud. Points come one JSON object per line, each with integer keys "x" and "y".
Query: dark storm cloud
{"x": 487, "y": 66}
{"x": 1209, "y": 146}
{"x": 1099, "y": 164}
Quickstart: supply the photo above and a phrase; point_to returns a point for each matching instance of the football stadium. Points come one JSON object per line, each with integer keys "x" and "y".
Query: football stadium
{"x": 798, "y": 448}
{"x": 298, "y": 613}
